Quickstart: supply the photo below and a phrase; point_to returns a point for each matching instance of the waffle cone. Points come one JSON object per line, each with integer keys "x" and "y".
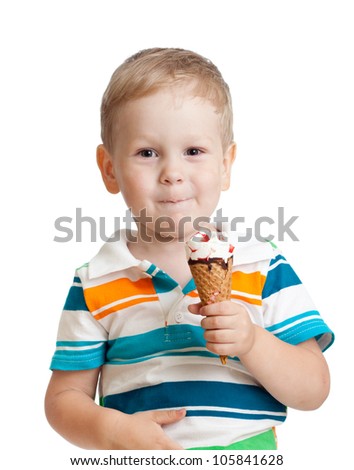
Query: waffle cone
{"x": 213, "y": 281}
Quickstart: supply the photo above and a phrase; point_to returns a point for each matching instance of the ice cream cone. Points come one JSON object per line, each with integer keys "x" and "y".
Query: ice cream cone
{"x": 212, "y": 275}
{"x": 212, "y": 279}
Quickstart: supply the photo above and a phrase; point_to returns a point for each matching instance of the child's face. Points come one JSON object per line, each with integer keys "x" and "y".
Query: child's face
{"x": 168, "y": 160}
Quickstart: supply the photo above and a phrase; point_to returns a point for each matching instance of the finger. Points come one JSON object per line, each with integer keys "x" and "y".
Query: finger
{"x": 216, "y": 322}
{"x": 220, "y": 308}
{"x": 222, "y": 349}
{"x": 195, "y": 308}
{"x": 168, "y": 416}
{"x": 220, "y": 336}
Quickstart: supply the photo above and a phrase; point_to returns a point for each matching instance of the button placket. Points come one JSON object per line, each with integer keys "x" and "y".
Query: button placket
{"x": 179, "y": 316}
{"x": 178, "y": 311}
{"x": 171, "y": 302}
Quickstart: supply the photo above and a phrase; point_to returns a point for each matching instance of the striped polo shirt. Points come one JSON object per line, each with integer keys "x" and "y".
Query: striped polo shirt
{"x": 131, "y": 318}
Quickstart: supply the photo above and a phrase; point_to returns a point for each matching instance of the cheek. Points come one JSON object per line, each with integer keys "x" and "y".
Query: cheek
{"x": 208, "y": 189}
{"x": 135, "y": 190}
{"x": 209, "y": 181}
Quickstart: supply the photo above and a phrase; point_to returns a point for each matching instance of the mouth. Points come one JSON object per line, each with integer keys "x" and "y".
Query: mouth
{"x": 174, "y": 200}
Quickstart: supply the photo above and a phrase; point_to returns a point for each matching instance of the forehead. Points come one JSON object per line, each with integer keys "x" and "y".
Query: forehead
{"x": 179, "y": 89}
{"x": 174, "y": 108}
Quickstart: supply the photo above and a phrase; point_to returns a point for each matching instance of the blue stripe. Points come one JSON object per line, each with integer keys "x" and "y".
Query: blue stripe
{"x": 145, "y": 345}
{"x": 291, "y": 320}
{"x": 151, "y": 269}
{"x": 276, "y": 259}
{"x": 306, "y": 329}
{"x": 77, "y": 279}
{"x": 279, "y": 278}
{"x": 78, "y": 360}
{"x": 195, "y": 394}
{"x": 189, "y": 287}
{"x": 75, "y": 299}
{"x": 163, "y": 282}
{"x": 311, "y": 329}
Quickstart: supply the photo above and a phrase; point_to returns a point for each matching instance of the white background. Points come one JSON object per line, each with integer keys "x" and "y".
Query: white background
{"x": 289, "y": 66}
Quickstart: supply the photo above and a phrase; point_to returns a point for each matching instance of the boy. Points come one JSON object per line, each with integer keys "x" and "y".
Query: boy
{"x": 131, "y": 319}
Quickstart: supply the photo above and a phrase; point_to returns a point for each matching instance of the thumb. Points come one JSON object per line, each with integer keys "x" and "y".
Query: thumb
{"x": 168, "y": 416}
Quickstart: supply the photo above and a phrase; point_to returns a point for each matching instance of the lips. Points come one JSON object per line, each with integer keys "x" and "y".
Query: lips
{"x": 174, "y": 200}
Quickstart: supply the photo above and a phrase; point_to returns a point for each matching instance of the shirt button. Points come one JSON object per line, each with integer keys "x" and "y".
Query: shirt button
{"x": 179, "y": 317}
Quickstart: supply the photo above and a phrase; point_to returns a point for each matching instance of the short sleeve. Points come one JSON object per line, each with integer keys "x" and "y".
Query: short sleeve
{"x": 81, "y": 340}
{"x": 289, "y": 312}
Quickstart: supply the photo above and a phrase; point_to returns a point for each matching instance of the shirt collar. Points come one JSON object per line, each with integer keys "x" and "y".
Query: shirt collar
{"x": 113, "y": 256}
{"x": 249, "y": 250}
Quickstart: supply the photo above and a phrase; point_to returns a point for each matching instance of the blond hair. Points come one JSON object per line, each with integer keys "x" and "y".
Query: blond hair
{"x": 148, "y": 70}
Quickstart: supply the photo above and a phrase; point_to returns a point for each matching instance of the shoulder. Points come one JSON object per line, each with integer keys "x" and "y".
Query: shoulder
{"x": 251, "y": 250}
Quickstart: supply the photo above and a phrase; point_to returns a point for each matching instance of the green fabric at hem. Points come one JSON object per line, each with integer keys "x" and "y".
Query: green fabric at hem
{"x": 264, "y": 441}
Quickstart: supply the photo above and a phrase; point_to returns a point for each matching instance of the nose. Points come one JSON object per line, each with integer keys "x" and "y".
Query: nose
{"x": 172, "y": 172}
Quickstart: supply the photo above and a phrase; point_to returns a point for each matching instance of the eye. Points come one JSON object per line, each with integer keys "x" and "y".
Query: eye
{"x": 193, "y": 152}
{"x": 147, "y": 153}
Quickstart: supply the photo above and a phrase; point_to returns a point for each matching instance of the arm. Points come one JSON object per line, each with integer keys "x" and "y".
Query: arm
{"x": 72, "y": 412}
{"x": 297, "y": 376}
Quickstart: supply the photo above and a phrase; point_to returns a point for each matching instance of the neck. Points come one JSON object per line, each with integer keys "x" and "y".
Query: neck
{"x": 152, "y": 247}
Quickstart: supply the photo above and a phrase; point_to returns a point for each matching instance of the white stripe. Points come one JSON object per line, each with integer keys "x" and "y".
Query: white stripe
{"x": 79, "y": 348}
{"x": 77, "y": 284}
{"x": 212, "y": 430}
{"x": 294, "y": 323}
{"x": 162, "y": 353}
{"x": 79, "y": 325}
{"x": 236, "y": 410}
{"x": 155, "y": 272}
{"x": 172, "y": 369}
{"x": 122, "y": 301}
{"x": 280, "y": 261}
{"x": 246, "y": 294}
{"x": 286, "y": 304}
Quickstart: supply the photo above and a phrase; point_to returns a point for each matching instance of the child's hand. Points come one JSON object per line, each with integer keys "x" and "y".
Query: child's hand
{"x": 143, "y": 431}
{"x": 229, "y": 330}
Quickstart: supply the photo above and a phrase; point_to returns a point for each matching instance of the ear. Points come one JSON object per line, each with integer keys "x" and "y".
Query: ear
{"x": 105, "y": 164}
{"x": 229, "y": 158}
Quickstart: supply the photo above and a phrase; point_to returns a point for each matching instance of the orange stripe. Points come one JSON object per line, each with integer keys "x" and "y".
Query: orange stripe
{"x": 247, "y": 299}
{"x": 119, "y": 289}
{"x": 249, "y": 283}
{"x": 127, "y": 304}
{"x": 193, "y": 293}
